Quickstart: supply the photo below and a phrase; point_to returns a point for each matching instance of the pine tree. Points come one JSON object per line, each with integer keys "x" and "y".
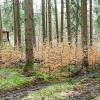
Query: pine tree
{"x": 91, "y": 26}
{"x": 17, "y": 33}
{"x": 43, "y": 20}
{"x": 0, "y": 34}
{"x": 0, "y": 27}
{"x": 62, "y": 20}
{"x": 49, "y": 20}
{"x": 84, "y": 32}
{"x": 29, "y": 31}
{"x": 68, "y": 22}
{"x": 56, "y": 18}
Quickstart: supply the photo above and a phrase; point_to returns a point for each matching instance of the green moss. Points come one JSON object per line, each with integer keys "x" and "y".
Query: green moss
{"x": 53, "y": 90}
{"x": 11, "y": 78}
{"x": 42, "y": 75}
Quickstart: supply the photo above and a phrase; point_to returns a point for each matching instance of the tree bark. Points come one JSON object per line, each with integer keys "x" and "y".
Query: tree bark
{"x": 43, "y": 20}
{"x": 56, "y": 18}
{"x": 34, "y": 34}
{"x": 62, "y": 20}
{"x": 77, "y": 24}
{"x": 0, "y": 27}
{"x": 91, "y": 26}
{"x": 84, "y": 32}
{"x": 46, "y": 21}
{"x": 17, "y": 33}
{"x": 49, "y": 21}
{"x": 29, "y": 31}
{"x": 0, "y": 34}
{"x": 68, "y": 22}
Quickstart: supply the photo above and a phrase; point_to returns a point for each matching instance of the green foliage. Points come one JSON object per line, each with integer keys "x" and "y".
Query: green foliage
{"x": 51, "y": 91}
{"x": 11, "y": 78}
{"x": 75, "y": 15}
{"x": 7, "y": 12}
{"x": 98, "y": 20}
{"x": 54, "y": 91}
{"x": 71, "y": 69}
{"x": 94, "y": 74}
{"x": 41, "y": 75}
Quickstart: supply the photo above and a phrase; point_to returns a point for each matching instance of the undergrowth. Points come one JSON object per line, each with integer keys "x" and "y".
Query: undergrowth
{"x": 11, "y": 78}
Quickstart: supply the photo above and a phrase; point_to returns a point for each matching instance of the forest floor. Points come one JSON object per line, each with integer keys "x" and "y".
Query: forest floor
{"x": 15, "y": 86}
{"x": 80, "y": 88}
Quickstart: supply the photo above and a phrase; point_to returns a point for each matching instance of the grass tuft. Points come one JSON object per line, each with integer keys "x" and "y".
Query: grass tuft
{"x": 11, "y": 78}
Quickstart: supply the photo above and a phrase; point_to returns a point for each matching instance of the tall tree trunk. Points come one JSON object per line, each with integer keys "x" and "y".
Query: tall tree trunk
{"x": 43, "y": 20}
{"x": 77, "y": 23}
{"x": 17, "y": 33}
{"x": 68, "y": 22}
{"x": 29, "y": 36}
{"x": 62, "y": 20}
{"x": 84, "y": 32}
{"x": 56, "y": 18}
{"x": 0, "y": 27}
{"x": 91, "y": 26}
{"x": 0, "y": 34}
{"x": 50, "y": 21}
{"x": 46, "y": 19}
{"x": 34, "y": 34}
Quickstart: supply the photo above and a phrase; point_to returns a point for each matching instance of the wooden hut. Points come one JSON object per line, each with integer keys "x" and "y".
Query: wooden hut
{"x": 5, "y": 37}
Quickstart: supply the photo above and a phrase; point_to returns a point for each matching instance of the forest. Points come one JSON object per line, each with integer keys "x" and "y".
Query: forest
{"x": 49, "y": 49}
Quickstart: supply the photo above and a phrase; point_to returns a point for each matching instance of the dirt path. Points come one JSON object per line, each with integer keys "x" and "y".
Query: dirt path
{"x": 18, "y": 94}
{"x": 90, "y": 91}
